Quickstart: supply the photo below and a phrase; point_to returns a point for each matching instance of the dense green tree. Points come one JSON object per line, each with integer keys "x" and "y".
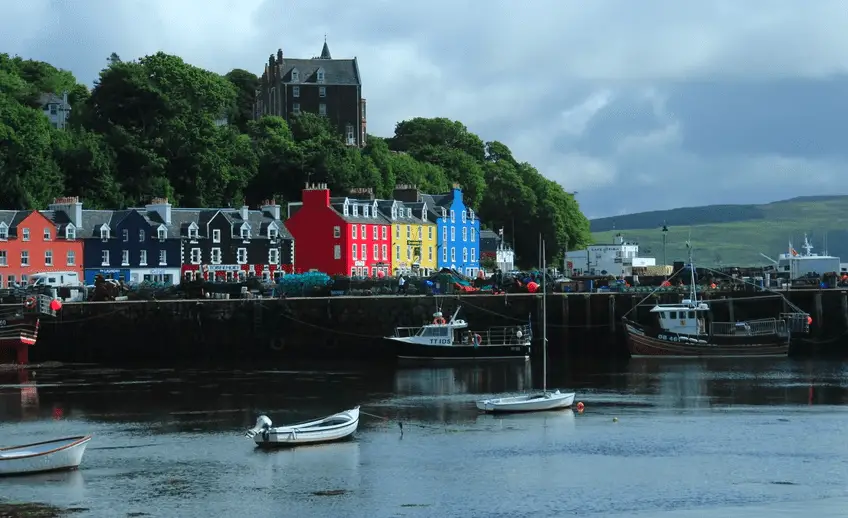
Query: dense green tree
{"x": 158, "y": 126}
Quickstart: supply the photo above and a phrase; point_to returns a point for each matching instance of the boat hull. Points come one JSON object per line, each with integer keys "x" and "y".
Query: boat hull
{"x": 643, "y": 342}
{"x": 58, "y": 455}
{"x": 531, "y": 403}
{"x": 342, "y": 427}
{"x": 414, "y": 351}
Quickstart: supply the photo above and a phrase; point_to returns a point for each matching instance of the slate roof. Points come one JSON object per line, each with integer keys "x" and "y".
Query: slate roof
{"x": 336, "y": 71}
{"x": 337, "y": 204}
{"x": 51, "y": 98}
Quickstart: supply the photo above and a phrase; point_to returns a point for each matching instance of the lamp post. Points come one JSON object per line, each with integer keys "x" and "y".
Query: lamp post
{"x": 664, "y": 234}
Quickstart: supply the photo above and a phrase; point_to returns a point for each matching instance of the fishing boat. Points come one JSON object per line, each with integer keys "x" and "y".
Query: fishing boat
{"x": 534, "y": 402}
{"x": 684, "y": 330}
{"x": 452, "y": 340}
{"x": 328, "y": 429}
{"x": 56, "y": 455}
{"x": 18, "y": 330}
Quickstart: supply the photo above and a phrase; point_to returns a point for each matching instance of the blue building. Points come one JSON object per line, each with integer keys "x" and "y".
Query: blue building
{"x": 458, "y": 231}
{"x": 131, "y": 246}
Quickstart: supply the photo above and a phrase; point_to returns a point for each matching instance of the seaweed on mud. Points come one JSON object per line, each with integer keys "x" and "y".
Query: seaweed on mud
{"x": 35, "y": 510}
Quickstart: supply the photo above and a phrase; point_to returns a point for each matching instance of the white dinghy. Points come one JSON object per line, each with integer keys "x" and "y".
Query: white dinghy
{"x": 328, "y": 429}
{"x": 59, "y": 454}
{"x": 545, "y": 400}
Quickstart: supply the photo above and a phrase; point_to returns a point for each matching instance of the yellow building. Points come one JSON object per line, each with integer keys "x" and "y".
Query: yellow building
{"x": 414, "y": 237}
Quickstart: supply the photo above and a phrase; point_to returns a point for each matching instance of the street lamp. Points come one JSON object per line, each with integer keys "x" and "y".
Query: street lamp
{"x": 664, "y": 234}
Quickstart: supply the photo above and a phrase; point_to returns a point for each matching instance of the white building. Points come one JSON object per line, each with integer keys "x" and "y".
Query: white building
{"x": 56, "y": 109}
{"x": 617, "y": 259}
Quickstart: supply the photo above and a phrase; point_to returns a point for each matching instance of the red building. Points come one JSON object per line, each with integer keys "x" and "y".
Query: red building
{"x": 31, "y": 243}
{"x": 340, "y": 236}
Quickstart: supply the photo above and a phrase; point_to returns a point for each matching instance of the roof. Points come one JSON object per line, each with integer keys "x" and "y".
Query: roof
{"x": 336, "y": 71}
{"x": 51, "y": 98}
{"x": 337, "y": 204}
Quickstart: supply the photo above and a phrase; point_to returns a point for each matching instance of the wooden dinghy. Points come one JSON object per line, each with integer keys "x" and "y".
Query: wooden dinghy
{"x": 328, "y": 429}
{"x": 59, "y": 454}
{"x": 528, "y": 403}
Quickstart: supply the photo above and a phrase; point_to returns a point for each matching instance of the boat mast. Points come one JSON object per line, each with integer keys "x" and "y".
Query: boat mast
{"x": 544, "y": 322}
{"x": 693, "y": 294}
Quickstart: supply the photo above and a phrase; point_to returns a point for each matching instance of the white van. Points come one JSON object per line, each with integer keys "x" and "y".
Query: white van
{"x": 60, "y": 280}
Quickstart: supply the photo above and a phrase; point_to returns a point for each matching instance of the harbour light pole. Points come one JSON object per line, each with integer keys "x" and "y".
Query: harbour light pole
{"x": 664, "y": 234}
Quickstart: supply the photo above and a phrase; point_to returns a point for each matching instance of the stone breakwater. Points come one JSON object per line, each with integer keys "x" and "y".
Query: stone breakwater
{"x": 352, "y": 327}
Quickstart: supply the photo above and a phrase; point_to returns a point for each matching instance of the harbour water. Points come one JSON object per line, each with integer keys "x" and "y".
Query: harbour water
{"x": 657, "y": 438}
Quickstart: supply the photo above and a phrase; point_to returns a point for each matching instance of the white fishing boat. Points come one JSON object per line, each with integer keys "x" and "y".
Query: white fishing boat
{"x": 328, "y": 429}
{"x": 59, "y": 454}
{"x": 544, "y": 400}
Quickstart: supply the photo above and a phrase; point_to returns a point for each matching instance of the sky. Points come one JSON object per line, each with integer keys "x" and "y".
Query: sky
{"x": 634, "y": 105}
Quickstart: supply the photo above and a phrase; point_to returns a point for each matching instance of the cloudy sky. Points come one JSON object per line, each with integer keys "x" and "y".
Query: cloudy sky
{"x": 636, "y": 105}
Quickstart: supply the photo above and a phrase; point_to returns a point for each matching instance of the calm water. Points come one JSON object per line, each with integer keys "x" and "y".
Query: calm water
{"x": 759, "y": 438}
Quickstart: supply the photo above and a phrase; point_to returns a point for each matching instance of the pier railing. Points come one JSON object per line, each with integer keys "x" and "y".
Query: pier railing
{"x": 765, "y": 326}
{"x": 506, "y": 335}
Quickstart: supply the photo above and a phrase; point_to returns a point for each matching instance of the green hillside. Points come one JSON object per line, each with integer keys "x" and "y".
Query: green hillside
{"x": 735, "y": 234}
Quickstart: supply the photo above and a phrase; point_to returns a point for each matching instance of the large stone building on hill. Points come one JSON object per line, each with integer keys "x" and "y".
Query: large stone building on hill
{"x": 321, "y": 85}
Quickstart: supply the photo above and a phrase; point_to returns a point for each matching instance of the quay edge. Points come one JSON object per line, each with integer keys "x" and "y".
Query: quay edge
{"x": 351, "y": 328}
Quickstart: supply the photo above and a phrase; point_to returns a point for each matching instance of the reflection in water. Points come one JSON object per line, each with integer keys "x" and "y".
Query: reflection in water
{"x": 557, "y": 419}
{"x": 18, "y": 394}
{"x": 465, "y": 379}
{"x": 285, "y": 465}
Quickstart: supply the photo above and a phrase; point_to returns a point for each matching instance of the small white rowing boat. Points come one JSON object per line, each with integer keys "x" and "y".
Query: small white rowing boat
{"x": 528, "y": 403}
{"x": 328, "y": 429}
{"x": 53, "y": 455}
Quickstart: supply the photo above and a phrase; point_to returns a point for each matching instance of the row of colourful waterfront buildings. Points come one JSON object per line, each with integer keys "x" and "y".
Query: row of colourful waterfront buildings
{"x": 354, "y": 235}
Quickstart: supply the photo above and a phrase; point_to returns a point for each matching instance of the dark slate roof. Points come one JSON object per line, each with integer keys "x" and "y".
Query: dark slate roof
{"x": 12, "y": 217}
{"x": 336, "y": 71}
{"x": 325, "y": 51}
{"x": 385, "y": 208}
{"x": 435, "y": 203}
{"x": 59, "y": 218}
{"x": 92, "y": 220}
{"x": 337, "y": 204}
{"x": 50, "y": 98}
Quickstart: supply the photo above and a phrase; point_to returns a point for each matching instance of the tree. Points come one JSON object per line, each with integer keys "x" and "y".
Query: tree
{"x": 245, "y": 84}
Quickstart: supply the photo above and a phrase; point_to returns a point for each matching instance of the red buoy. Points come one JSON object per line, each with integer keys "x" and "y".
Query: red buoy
{"x": 55, "y": 305}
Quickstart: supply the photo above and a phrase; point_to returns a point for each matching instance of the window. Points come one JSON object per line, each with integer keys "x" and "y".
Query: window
{"x": 444, "y": 212}
{"x": 322, "y": 91}
{"x": 4, "y": 261}
{"x": 430, "y": 232}
{"x": 353, "y": 231}
{"x": 351, "y": 136}
{"x": 444, "y": 255}
{"x": 464, "y": 255}
{"x": 4, "y": 231}
{"x": 274, "y": 256}
{"x": 463, "y": 216}
{"x": 473, "y": 234}
{"x": 337, "y": 232}
{"x": 104, "y": 257}
{"x": 125, "y": 257}
{"x": 473, "y": 255}
{"x": 70, "y": 232}
{"x": 241, "y": 256}
{"x": 355, "y": 210}
{"x": 376, "y": 252}
{"x": 25, "y": 234}
{"x": 408, "y": 253}
{"x": 162, "y": 233}
{"x": 419, "y": 232}
{"x": 397, "y": 252}
{"x": 47, "y": 234}
{"x": 195, "y": 256}
{"x": 429, "y": 253}
{"x": 321, "y": 76}
{"x": 345, "y": 208}
{"x": 295, "y": 91}
{"x": 353, "y": 272}
{"x": 444, "y": 233}
{"x": 48, "y": 258}
{"x": 353, "y": 251}
{"x": 11, "y": 281}
{"x": 363, "y": 249}
{"x": 104, "y": 233}
{"x": 322, "y": 109}
{"x": 142, "y": 258}
{"x": 424, "y": 213}
{"x": 163, "y": 258}
{"x": 394, "y": 213}
{"x": 375, "y": 233}
{"x": 471, "y": 214}
{"x": 464, "y": 233}
{"x": 216, "y": 256}
{"x": 363, "y": 233}
{"x": 272, "y": 232}
{"x": 216, "y": 235}
{"x": 141, "y": 236}
{"x": 296, "y": 108}
{"x": 125, "y": 235}
{"x": 384, "y": 252}
{"x": 453, "y": 254}
{"x": 397, "y": 231}
{"x": 453, "y": 216}
{"x": 383, "y": 232}
{"x": 453, "y": 233}
{"x": 245, "y": 232}
{"x": 408, "y": 232}
{"x": 295, "y": 76}
{"x": 193, "y": 233}
{"x": 365, "y": 209}
{"x": 337, "y": 252}
{"x": 25, "y": 258}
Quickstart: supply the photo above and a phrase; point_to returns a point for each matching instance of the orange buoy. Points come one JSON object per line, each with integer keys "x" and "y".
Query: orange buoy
{"x": 809, "y": 320}
{"x": 580, "y": 406}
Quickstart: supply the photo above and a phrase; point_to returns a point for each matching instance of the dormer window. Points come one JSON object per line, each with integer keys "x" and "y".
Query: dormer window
{"x": 193, "y": 232}
{"x": 366, "y": 211}
{"x": 245, "y": 232}
{"x": 161, "y": 233}
{"x": 408, "y": 212}
{"x": 424, "y": 214}
{"x": 104, "y": 232}
{"x": 444, "y": 212}
{"x": 356, "y": 210}
{"x": 374, "y": 210}
{"x": 272, "y": 232}
{"x": 394, "y": 212}
{"x": 295, "y": 76}
{"x": 320, "y": 75}
{"x": 345, "y": 208}
{"x": 70, "y": 232}
{"x": 4, "y": 231}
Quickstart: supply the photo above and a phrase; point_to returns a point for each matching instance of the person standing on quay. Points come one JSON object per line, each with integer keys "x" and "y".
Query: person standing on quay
{"x": 401, "y": 285}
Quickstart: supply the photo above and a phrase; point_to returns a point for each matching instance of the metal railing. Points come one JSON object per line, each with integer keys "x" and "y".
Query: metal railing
{"x": 506, "y": 335}
{"x": 766, "y": 326}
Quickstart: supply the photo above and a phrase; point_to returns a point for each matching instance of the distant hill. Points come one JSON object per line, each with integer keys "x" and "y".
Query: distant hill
{"x": 735, "y": 234}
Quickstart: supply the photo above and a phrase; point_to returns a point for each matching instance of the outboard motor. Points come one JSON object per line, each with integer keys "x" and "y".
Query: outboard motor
{"x": 262, "y": 423}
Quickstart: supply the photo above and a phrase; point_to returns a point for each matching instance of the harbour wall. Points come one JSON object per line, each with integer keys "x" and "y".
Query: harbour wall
{"x": 352, "y": 328}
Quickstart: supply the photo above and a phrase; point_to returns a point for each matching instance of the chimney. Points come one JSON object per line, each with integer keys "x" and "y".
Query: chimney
{"x": 162, "y": 207}
{"x": 362, "y": 193}
{"x": 457, "y": 192}
{"x": 279, "y": 56}
{"x": 316, "y": 194}
{"x": 271, "y": 207}
{"x": 407, "y": 193}
{"x": 71, "y": 206}
{"x": 244, "y": 212}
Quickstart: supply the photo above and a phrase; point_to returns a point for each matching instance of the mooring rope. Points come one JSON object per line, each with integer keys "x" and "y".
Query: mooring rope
{"x": 401, "y": 424}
